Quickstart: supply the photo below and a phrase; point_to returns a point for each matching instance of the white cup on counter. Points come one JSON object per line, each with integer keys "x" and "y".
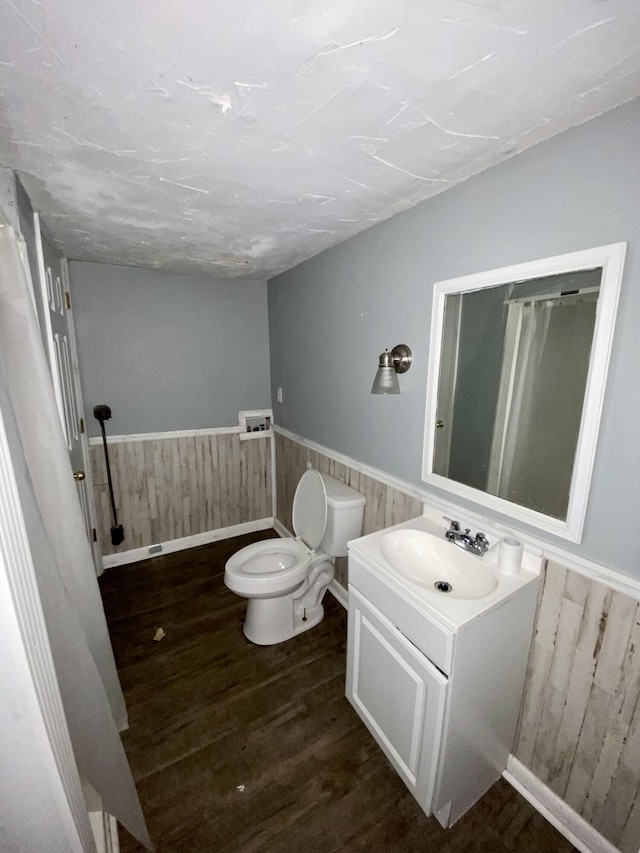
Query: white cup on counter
{"x": 510, "y": 555}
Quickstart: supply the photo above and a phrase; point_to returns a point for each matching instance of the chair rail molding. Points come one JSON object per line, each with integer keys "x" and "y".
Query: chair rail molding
{"x": 589, "y": 568}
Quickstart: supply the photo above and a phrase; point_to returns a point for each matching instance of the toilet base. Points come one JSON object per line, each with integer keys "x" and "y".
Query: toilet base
{"x": 271, "y": 620}
{"x": 274, "y": 620}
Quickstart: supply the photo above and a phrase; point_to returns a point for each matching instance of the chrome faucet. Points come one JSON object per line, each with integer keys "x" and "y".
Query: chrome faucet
{"x": 463, "y": 539}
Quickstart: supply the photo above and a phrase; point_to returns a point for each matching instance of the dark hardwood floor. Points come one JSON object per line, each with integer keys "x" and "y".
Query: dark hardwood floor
{"x": 236, "y": 747}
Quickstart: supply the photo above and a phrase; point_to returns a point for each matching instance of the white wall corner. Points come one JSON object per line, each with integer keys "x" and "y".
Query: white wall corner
{"x": 281, "y": 530}
{"x": 569, "y": 823}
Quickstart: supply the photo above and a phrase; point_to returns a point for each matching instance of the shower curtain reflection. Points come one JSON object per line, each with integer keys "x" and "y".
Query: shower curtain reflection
{"x": 544, "y": 373}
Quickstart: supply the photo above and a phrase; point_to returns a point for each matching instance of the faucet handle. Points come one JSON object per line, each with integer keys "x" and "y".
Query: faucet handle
{"x": 455, "y": 525}
{"x": 482, "y": 543}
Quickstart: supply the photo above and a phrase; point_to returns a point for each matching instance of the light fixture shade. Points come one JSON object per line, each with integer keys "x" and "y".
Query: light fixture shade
{"x": 386, "y": 381}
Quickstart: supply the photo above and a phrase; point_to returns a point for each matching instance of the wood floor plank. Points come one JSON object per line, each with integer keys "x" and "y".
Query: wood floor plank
{"x": 248, "y": 749}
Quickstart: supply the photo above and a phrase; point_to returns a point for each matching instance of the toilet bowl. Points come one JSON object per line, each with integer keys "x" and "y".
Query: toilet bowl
{"x": 285, "y": 579}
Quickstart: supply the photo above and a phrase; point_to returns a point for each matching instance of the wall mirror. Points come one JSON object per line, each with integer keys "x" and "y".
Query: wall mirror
{"x": 518, "y": 362}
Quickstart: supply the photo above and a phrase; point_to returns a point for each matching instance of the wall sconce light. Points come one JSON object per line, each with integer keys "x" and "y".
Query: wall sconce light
{"x": 391, "y": 363}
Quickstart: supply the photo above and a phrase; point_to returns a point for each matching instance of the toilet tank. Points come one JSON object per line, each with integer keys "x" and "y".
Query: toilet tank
{"x": 345, "y": 511}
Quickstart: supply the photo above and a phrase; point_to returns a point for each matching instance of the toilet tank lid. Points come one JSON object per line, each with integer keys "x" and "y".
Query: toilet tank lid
{"x": 341, "y": 495}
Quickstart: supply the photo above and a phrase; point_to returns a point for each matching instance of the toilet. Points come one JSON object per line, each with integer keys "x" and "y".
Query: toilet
{"x": 285, "y": 580}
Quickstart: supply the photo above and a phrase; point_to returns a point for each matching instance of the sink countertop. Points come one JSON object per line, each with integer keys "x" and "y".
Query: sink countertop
{"x": 452, "y": 613}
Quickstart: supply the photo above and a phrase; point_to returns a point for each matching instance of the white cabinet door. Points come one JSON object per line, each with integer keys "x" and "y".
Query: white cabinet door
{"x": 398, "y": 693}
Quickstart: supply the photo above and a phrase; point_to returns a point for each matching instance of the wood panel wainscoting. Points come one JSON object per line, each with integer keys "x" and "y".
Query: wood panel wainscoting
{"x": 385, "y": 505}
{"x": 172, "y": 486}
{"x": 578, "y": 738}
{"x": 579, "y": 729}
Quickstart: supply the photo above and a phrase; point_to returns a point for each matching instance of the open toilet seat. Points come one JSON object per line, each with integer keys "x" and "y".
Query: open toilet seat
{"x": 284, "y": 580}
{"x": 268, "y": 568}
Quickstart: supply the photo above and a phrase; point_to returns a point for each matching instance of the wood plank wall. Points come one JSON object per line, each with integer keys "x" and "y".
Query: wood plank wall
{"x": 579, "y": 728}
{"x": 168, "y": 488}
{"x": 385, "y": 506}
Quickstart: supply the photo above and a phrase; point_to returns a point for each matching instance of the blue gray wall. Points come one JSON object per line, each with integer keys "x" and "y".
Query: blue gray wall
{"x": 168, "y": 351}
{"x": 331, "y": 316}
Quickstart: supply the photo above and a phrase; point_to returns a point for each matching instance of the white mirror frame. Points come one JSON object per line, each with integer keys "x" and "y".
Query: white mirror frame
{"x": 611, "y": 259}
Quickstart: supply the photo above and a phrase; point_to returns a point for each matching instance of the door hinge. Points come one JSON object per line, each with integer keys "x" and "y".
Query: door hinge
{"x": 67, "y": 296}
{"x": 94, "y": 534}
{"x": 81, "y": 426}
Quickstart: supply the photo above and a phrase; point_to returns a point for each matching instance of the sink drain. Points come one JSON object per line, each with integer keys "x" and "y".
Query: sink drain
{"x": 443, "y": 586}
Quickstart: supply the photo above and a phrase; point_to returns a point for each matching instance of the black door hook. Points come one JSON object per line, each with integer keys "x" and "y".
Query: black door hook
{"x": 102, "y": 413}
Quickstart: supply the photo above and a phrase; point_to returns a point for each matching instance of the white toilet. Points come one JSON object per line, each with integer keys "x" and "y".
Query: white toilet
{"x": 285, "y": 579}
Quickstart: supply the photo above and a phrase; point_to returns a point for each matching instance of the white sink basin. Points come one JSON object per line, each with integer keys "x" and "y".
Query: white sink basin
{"x": 437, "y": 565}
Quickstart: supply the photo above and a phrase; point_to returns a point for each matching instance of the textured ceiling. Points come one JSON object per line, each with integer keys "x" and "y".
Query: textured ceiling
{"x": 241, "y": 138}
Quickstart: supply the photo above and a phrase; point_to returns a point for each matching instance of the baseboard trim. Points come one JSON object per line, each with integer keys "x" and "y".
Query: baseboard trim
{"x": 339, "y": 593}
{"x": 135, "y": 555}
{"x": 281, "y": 530}
{"x": 568, "y": 822}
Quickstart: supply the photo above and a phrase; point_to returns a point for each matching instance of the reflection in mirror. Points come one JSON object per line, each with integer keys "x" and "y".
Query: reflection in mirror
{"x": 512, "y": 408}
{"x": 511, "y": 419}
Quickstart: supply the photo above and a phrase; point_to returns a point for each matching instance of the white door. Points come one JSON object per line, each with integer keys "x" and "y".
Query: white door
{"x": 59, "y": 340}
{"x": 398, "y": 693}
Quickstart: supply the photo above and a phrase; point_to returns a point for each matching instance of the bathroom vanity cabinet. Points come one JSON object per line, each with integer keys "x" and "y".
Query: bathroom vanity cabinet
{"x": 441, "y": 699}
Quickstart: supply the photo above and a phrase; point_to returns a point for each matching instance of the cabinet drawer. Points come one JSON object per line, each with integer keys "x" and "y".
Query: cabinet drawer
{"x": 432, "y": 639}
